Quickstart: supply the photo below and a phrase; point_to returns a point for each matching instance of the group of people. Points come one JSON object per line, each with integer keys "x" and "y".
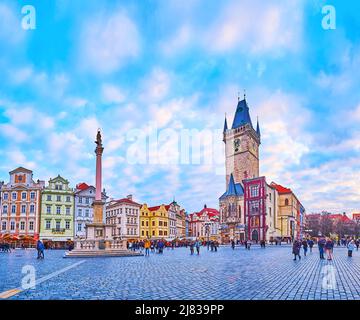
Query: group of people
{"x": 5, "y": 247}
{"x": 325, "y": 246}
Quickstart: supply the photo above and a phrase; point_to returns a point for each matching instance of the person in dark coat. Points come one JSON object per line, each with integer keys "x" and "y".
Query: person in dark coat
{"x": 321, "y": 246}
{"x": 296, "y": 249}
{"x": 305, "y": 246}
{"x": 233, "y": 244}
{"x": 311, "y": 244}
{"x": 40, "y": 249}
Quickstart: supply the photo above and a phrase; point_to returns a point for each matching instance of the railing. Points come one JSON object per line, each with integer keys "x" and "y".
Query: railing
{"x": 97, "y": 244}
{"x": 61, "y": 230}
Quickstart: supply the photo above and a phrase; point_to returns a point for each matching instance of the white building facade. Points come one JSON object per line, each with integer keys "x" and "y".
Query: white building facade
{"x": 84, "y": 212}
{"x": 125, "y": 215}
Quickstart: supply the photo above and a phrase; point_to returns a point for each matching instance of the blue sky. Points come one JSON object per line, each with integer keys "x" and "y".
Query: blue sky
{"x": 178, "y": 65}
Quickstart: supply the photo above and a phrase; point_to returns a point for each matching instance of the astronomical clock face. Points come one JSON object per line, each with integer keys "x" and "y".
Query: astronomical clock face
{"x": 237, "y": 145}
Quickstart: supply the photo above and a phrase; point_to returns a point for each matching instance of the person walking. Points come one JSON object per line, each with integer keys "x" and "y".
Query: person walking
{"x": 351, "y": 247}
{"x": 296, "y": 249}
{"x": 329, "y": 246}
{"x": 197, "y": 246}
{"x": 191, "y": 247}
{"x": 233, "y": 244}
{"x": 147, "y": 247}
{"x": 357, "y": 243}
{"x": 321, "y": 246}
{"x": 40, "y": 250}
{"x": 245, "y": 243}
{"x": 248, "y": 245}
{"x": 311, "y": 244}
{"x": 305, "y": 246}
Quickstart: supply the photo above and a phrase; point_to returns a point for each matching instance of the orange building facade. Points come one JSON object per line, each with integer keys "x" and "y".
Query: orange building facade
{"x": 20, "y": 204}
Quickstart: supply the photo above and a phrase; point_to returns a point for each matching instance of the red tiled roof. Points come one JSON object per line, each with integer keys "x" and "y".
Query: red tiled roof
{"x": 157, "y": 208}
{"x": 126, "y": 200}
{"x": 211, "y": 212}
{"x": 280, "y": 188}
{"x": 82, "y": 186}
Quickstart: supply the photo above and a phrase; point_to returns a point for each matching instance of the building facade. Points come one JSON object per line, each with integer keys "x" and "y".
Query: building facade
{"x": 57, "y": 212}
{"x": 250, "y": 208}
{"x": 260, "y": 208}
{"x": 84, "y": 210}
{"x": 20, "y": 204}
{"x": 125, "y": 215}
{"x": 154, "y": 222}
{"x": 290, "y": 213}
{"x": 205, "y": 224}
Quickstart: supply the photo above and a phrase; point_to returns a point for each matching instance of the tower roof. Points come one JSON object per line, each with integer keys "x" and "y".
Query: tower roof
{"x": 225, "y": 125}
{"x": 233, "y": 189}
{"x": 242, "y": 115}
{"x": 258, "y": 128}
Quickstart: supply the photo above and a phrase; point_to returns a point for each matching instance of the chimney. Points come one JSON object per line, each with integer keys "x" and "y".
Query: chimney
{"x": 205, "y": 206}
{"x": 130, "y": 197}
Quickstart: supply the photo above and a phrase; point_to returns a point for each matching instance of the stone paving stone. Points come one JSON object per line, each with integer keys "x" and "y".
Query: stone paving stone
{"x": 226, "y": 275}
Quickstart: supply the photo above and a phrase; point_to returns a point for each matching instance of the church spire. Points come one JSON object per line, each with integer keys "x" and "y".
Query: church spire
{"x": 225, "y": 124}
{"x": 258, "y": 128}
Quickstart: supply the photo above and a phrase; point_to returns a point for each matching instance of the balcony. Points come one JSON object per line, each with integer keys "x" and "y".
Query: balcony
{"x": 58, "y": 231}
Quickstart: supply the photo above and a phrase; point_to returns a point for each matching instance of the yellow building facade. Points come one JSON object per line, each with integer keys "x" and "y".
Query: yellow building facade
{"x": 154, "y": 222}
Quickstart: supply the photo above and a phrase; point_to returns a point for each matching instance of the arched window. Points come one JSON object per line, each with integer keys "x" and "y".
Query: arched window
{"x": 286, "y": 201}
{"x": 255, "y": 235}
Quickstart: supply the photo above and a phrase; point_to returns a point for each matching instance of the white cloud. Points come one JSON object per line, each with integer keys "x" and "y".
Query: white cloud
{"x": 13, "y": 133}
{"x": 257, "y": 26}
{"x": 156, "y": 86}
{"x": 107, "y": 41}
{"x": 112, "y": 94}
{"x": 11, "y": 32}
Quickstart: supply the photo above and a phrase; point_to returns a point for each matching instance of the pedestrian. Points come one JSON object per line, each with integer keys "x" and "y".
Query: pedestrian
{"x": 233, "y": 244}
{"x": 351, "y": 247}
{"x": 245, "y": 243}
{"x": 321, "y": 246}
{"x": 296, "y": 249}
{"x": 329, "y": 246}
{"x": 40, "y": 250}
{"x": 311, "y": 244}
{"x": 357, "y": 243}
{"x": 147, "y": 247}
{"x": 191, "y": 247}
{"x": 216, "y": 245}
{"x": 248, "y": 245}
{"x": 197, "y": 246}
{"x": 305, "y": 246}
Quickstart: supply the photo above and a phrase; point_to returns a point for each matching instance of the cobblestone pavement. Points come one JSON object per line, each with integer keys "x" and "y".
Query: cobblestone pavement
{"x": 257, "y": 274}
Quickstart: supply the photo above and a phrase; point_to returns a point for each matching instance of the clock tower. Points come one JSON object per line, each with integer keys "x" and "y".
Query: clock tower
{"x": 242, "y": 143}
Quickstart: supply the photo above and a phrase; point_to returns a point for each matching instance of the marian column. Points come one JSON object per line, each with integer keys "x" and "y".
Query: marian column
{"x": 98, "y": 203}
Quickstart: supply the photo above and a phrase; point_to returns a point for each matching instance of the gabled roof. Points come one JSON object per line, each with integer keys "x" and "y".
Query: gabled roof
{"x": 82, "y": 186}
{"x": 233, "y": 189}
{"x": 20, "y": 169}
{"x": 126, "y": 200}
{"x": 242, "y": 115}
{"x": 280, "y": 189}
{"x": 158, "y": 207}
